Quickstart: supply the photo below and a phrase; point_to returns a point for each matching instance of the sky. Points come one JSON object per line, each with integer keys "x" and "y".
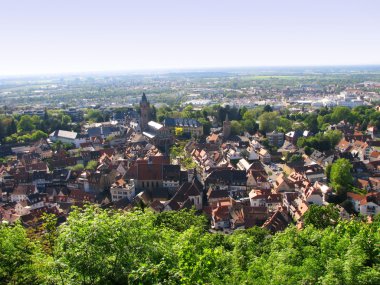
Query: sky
{"x": 47, "y": 36}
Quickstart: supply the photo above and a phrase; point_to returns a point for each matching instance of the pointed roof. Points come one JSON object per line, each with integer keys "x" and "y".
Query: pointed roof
{"x": 143, "y": 98}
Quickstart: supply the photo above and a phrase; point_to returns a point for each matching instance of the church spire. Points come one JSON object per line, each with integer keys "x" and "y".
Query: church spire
{"x": 143, "y": 98}
{"x": 226, "y": 128}
{"x": 144, "y": 112}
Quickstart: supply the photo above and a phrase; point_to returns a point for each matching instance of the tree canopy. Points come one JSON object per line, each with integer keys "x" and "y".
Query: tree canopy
{"x": 341, "y": 176}
{"x": 97, "y": 246}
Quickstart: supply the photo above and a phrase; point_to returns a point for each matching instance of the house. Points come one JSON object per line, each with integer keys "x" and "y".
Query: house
{"x": 103, "y": 130}
{"x": 275, "y": 138}
{"x": 121, "y": 189}
{"x": 22, "y": 192}
{"x": 80, "y": 196}
{"x": 149, "y": 176}
{"x": 260, "y": 198}
{"x": 375, "y": 183}
{"x": 187, "y": 125}
{"x": 265, "y": 156}
{"x": 171, "y": 176}
{"x": 360, "y": 149}
{"x": 158, "y": 134}
{"x": 215, "y": 194}
{"x": 365, "y": 184}
{"x": 279, "y": 221}
{"x": 321, "y": 158}
{"x": 343, "y": 145}
{"x": 369, "y": 208}
{"x": 298, "y": 208}
{"x": 67, "y": 137}
{"x": 312, "y": 195}
{"x": 188, "y": 195}
{"x": 372, "y": 131}
{"x": 252, "y": 155}
{"x": 227, "y": 179}
{"x": 315, "y": 173}
{"x": 370, "y": 204}
{"x": 220, "y": 218}
{"x": 257, "y": 180}
{"x": 284, "y": 184}
{"x": 355, "y": 199}
{"x": 293, "y": 136}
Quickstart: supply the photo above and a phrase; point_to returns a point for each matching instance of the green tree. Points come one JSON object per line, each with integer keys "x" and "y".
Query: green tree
{"x": 92, "y": 165}
{"x": 25, "y": 124}
{"x": 268, "y": 121}
{"x": 321, "y": 216}
{"x": 236, "y": 128}
{"x": 77, "y": 167}
{"x": 341, "y": 176}
{"x": 16, "y": 256}
{"x": 11, "y": 128}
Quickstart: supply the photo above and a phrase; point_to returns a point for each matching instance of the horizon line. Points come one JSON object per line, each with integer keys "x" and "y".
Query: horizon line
{"x": 168, "y": 70}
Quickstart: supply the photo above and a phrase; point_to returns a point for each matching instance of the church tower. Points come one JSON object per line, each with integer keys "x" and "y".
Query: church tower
{"x": 144, "y": 112}
{"x": 226, "y": 128}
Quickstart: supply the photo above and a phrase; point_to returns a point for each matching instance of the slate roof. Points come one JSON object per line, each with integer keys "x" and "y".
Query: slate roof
{"x": 181, "y": 122}
{"x": 228, "y": 176}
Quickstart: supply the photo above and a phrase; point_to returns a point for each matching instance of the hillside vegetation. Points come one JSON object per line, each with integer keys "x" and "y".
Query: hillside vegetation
{"x": 98, "y": 246}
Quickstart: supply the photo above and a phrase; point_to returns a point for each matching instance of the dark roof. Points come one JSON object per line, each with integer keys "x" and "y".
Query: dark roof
{"x": 181, "y": 122}
{"x": 217, "y": 194}
{"x": 99, "y": 131}
{"x": 171, "y": 172}
{"x": 277, "y": 222}
{"x": 187, "y": 189}
{"x": 228, "y": 176}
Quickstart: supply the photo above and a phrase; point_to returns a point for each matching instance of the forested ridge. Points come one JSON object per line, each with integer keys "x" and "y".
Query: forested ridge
{"x": 96, "y": 246}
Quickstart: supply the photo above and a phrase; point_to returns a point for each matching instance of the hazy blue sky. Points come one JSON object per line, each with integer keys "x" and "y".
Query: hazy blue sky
{"x": 80, "y": 35}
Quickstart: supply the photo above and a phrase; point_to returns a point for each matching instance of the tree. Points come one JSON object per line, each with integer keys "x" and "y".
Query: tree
{"x": 93, "y": 115}
{"x": 37, "y": 135}
{"x": 295, "y": 158}
{"x": 236, "y": 128}
{"x": 308, "y": 150}
{"x": 311, "y": 123}
{"x": 321, "y": 216}
{"x": 65, "y": 121}
{"x": 334, "y": 136}
{"x": 25, "y": 124}
{"x": 16, "y": 256}
{"x": 340, "y": 176}
{"x": 181, "y": 221}
{"x": 92, "y": 165}
{"x": 268, "y": 108}
{"x": 78, "y": 167}
{"x": 328, "y": 171}
{"x": 268, "y": 121}
{"x": 206, "y": 125}
{"x": 12, "y": 128}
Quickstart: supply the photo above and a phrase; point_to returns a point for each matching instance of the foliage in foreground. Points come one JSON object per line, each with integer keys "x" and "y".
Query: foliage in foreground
{"x": 105, "y": 247}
